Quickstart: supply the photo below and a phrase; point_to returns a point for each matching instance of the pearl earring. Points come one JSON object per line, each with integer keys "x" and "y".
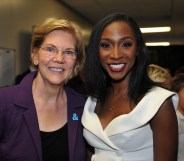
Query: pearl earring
{"x": 35, "y": 62}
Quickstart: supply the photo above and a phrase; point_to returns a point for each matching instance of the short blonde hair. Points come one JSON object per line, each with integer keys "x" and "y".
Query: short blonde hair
{"x": 159, "y": 74}
{"x": 51, "y": 24}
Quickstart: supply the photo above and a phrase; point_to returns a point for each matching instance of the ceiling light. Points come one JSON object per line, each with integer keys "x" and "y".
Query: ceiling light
{"x": 158, "y": 44}
{"x": 155, "y": 29}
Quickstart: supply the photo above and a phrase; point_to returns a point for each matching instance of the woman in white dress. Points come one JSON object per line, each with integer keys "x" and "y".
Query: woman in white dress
{"x": 127, "y": 117}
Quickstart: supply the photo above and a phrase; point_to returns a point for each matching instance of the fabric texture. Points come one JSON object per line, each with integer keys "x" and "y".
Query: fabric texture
{"x": 127, "y": 137}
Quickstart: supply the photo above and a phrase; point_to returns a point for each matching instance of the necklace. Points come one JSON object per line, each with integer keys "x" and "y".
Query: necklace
{"x": 115, "y": 104}
{"x": 111, "y": 108}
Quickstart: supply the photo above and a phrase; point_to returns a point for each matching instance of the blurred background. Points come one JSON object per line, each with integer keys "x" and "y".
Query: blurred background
{"x": 18, "y": 18}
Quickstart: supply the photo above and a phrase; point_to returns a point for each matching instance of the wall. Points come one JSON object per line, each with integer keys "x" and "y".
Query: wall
{"x": 18, "y": 18}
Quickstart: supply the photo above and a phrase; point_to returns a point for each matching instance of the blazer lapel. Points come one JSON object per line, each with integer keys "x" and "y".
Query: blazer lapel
{"x": 75, "y": 109}
{"x": 25, "y": 99}
{"x": 31, "y": 119}
{"x": 72, "y": 130}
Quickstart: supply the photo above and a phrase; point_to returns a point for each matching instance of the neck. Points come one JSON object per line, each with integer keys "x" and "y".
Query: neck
{"x": 47, "y": 92}
{"x": 120, "y": 86}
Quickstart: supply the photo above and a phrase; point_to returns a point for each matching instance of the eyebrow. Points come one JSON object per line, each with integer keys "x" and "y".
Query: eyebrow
{"x": 50, "y": 45}
{"x": 123, "y": 38}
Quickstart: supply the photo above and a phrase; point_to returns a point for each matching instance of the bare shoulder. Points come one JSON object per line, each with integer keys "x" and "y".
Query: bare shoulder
{"x": 164, "y": 123}
{"x": 166, "y": 113}
{"x": 165, "y": 132}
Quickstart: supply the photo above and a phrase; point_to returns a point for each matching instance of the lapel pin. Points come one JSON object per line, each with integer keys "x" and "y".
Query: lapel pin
{"x": 75, "y": 117}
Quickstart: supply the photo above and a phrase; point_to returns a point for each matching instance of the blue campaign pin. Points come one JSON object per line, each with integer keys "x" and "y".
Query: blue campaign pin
{"x": 75, "y": 117}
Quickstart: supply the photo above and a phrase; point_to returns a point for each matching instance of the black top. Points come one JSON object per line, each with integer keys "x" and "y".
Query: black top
{"x": 55, "y": 145}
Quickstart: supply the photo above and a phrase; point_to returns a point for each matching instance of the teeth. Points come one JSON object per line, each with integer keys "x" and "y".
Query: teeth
{"x": 56, "y": 69}
{"x": 117, "y": 65}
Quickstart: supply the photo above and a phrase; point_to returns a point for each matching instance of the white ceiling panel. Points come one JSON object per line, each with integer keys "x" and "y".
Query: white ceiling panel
{"x": 148, "y": 13}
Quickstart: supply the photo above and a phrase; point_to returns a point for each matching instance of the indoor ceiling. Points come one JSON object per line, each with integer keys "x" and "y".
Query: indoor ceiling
{"x": 148, "y": 13}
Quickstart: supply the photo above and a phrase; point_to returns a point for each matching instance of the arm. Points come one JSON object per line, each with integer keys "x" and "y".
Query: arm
{"x": 165, "y": 133}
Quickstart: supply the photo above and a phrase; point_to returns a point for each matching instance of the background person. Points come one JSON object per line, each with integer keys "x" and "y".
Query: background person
{"x": 177, "y": 85}
{"x": 160, "y": 75}
{"x": 127, "y": 116}
{"x": 40, "y": 117}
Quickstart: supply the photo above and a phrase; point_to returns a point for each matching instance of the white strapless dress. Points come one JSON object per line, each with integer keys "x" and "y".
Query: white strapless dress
{"x": 127, "y": 137}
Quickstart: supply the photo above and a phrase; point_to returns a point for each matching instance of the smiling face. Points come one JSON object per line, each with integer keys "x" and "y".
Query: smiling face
{"x": 117, "y": 50}
{"x": 55, "y": 69}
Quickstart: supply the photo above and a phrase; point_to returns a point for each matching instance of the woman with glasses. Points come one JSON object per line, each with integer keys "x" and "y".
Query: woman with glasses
{"x": 40, "y": 117}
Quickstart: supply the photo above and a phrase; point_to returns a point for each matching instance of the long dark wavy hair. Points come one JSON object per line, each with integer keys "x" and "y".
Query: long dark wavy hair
{"x": 96, "y": 79}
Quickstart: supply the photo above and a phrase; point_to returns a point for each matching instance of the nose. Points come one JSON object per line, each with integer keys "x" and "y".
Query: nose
{"x": 116, "y": 53}
{"x": 59, "y": 57}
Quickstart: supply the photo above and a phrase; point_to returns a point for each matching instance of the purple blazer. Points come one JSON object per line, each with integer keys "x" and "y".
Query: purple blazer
{"x": 19, "y": 130}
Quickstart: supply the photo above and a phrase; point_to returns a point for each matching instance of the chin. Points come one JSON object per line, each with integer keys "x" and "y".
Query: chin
{"x": 56, "y": 82}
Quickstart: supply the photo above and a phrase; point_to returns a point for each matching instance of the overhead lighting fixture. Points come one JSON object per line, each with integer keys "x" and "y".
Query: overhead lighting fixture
{"x": 155, "y": 29}
{"x": 158, "y": 44}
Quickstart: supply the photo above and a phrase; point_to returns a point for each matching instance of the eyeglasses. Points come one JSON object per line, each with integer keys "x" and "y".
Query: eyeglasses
{"x": 52, "y": 51}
